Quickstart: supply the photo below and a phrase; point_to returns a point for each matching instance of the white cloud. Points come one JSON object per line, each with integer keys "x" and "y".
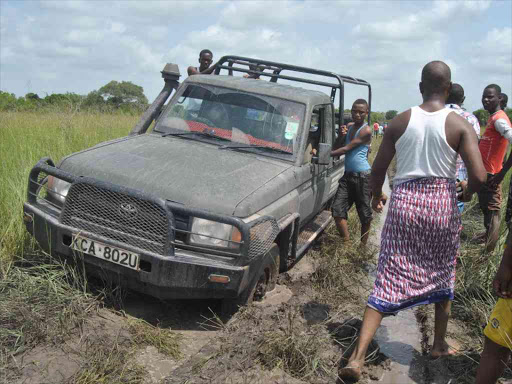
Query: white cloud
{"x": 79, "y": 46}
{"x": 117, "y": 27}
{"x": 494, "y": 52}
{"x": 71, "y": 5}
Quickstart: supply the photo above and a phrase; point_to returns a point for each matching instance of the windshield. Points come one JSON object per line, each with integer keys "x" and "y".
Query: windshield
{"x": 240, "y": 117}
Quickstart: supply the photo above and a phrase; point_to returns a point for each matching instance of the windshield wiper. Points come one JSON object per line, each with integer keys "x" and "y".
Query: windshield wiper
{"x": 247, "y": 146}
{"x": 204, "y": 134}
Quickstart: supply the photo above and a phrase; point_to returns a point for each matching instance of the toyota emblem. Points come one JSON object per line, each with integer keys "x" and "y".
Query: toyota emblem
{"x": 128, "y": 210}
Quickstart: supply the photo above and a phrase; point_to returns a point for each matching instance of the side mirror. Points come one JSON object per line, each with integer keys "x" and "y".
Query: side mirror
{"x": 324, "y": 154}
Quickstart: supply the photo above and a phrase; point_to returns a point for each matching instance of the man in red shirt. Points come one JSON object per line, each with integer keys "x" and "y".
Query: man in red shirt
{"x": 375, "y": 129}
{"x": 493, "y": 147}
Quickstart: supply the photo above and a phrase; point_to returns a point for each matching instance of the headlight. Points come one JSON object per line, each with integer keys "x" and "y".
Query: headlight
{"x": 58, "y": 189}
{"x": 214, "y": 234}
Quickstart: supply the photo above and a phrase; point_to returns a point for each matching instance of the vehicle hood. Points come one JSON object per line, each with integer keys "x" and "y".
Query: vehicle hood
{"x": 192, "y": 173}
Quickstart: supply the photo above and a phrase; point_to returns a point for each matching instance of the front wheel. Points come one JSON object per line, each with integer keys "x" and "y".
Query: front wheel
{"x": 263, "y": 282}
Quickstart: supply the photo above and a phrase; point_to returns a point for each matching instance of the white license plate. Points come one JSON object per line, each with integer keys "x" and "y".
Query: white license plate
{"x": 105, "y": 252}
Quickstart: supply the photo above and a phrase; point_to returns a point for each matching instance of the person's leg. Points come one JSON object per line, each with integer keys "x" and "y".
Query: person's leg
{"x": 340, "y": 207}
{"x": 494, "y": 207}
{"x": 492, "y": 362}
{"x": 365, "y": 232}
{"x": 371, "y": 322}
{"x": 493, "y": 231}
{"x": 342, "y": 226}
{"x": 440, "y": 347}
{"x": 362, "y": 198}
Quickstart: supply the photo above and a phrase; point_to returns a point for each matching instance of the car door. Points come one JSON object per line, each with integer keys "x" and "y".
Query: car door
{"x": 336, "y": 167}
{"x": 314, "y": 187}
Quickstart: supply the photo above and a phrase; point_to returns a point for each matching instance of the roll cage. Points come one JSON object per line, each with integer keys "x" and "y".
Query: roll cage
{"x": 257, "y": 66}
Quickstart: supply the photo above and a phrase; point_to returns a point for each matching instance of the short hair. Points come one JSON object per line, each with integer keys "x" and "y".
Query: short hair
{"x": 495, "y": 87}
{"x": 456, "y": 95}
{"x": 436, "y": 76}
{"x": 361, "y": 101}
{"x": 204, "y": 51}
{"x": 504, "y": 99}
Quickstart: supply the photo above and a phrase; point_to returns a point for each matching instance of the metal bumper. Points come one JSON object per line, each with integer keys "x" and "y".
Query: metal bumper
{"x": 182, "y": 275}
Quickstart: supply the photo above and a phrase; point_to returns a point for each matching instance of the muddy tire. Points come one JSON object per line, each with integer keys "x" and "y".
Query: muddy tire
{"x": 263, "y": 282}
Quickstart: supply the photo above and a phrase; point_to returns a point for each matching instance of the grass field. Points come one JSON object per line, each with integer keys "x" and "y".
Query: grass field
{"x": 60, "y": 298}
{"x": 27, "y": 137}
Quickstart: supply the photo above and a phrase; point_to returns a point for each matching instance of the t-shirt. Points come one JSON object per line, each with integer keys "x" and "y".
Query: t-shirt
{"x": 495, "y": 139}
{"x": 375, "y": 126}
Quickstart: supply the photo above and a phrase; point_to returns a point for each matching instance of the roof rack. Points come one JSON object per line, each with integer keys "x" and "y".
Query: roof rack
{"x": 257, "y": 66}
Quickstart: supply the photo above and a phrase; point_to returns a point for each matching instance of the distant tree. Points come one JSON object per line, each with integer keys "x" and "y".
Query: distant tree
{"x": 32, "y": 96}
{"x": 508, "y": 111}
{"x": 390, "y": 115}
{"x": 377, "y": 117}
{"x": 7, "y": 101}
{"x": 125, "y": 92}
{"x": 482, "y": 115}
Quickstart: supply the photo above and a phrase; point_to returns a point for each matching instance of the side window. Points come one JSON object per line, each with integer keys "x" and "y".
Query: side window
{"x": 315, "y": 132}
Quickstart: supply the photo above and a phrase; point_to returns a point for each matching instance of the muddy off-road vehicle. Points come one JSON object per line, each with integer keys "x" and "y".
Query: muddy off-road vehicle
{"x": 230, "y": 186}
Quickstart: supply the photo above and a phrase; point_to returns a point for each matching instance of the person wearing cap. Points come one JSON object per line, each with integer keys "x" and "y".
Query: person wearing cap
{"x": 354, "y": 186}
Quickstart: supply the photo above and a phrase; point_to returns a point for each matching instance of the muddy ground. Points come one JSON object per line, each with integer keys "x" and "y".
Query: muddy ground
{"x": 301, "y": 332}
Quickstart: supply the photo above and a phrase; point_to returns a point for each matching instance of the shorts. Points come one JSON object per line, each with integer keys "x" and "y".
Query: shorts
{"x": 490, "y": 198}
{"x": 499, "y": 327}
{"x": 353, "y": 188}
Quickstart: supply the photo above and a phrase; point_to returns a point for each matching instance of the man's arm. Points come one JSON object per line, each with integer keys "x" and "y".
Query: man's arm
{"x": 365, "y": 135}
{"x": 504, "y": 128}
{"x": 341, "y": 137}
{"x": 194, "y": 71}
{"x": 468, "y": 149}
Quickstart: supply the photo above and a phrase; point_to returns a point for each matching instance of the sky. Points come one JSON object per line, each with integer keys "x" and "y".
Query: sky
{"x": 78, "y": 46}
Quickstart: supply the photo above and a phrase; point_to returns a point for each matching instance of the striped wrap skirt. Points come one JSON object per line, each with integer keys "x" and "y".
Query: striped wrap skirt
{"x": 419, "y": 246}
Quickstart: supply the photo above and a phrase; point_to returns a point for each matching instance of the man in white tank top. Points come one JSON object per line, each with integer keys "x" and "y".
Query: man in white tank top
{"x": 420, "y": 238}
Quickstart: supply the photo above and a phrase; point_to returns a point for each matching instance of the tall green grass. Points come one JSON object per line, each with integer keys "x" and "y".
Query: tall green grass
{"x": 25, "y": 137}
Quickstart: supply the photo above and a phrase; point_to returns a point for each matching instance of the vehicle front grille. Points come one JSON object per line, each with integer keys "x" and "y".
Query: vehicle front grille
{"x": 117, "y": 216}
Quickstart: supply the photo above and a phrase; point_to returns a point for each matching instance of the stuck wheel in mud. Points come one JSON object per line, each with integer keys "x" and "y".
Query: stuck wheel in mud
{"x": 264, "y": 282}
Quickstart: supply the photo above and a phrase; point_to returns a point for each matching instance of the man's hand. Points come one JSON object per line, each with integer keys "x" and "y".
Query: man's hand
{"x": 379, "y": 202}
{"x": 343, "y": 130}
{"x": 463, "y": 193}
{"x": 502, "y": 282}
{"x": 496, "y": 179}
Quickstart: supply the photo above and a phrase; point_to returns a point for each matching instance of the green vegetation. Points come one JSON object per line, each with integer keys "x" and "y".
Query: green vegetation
{"x": 390, "y": 115}
{"x": 482, "y": 115}
{"x": 27, "y": 137}
{"x": 43, "y": 301}
{"x": 113, "y": 97}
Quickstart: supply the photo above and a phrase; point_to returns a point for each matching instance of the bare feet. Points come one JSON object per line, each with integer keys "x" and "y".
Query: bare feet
{"x": 352, "y": 372}
{"x": 443, "y": 350}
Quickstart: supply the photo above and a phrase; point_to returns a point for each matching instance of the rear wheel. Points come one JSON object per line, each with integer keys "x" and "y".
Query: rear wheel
{"x": 264, "y": 282}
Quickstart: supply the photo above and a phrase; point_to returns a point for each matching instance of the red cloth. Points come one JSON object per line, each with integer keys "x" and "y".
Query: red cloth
{"x": 493, "y": 146}
{"x": 375, "y": 126}
{"x": 225, "y": 133}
